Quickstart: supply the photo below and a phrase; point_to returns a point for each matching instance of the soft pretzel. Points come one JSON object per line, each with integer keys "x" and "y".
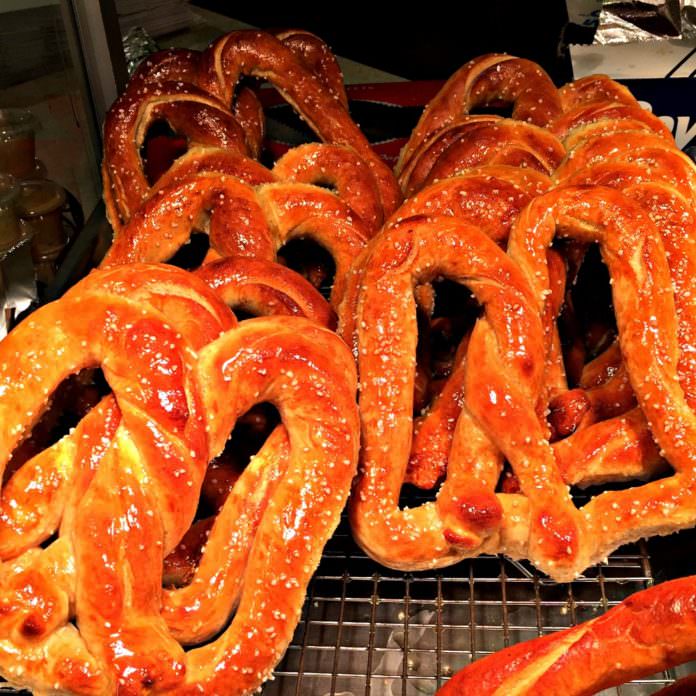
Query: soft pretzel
{"x": 340, "y": 169}
{"x": 263, "y": 288}
{"x": 478, "y": 140}
{"x": 175, "y": 403}
{"x": 492, "y": 78}
{"x": 241, "y": 221}
{"x": 651, "y": 631}
{"x": 467, "y": 517}
{"x": 642, "y": 292}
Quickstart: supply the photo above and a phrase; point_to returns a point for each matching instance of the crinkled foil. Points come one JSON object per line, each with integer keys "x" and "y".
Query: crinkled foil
{"x": 18, "y": 287}
{"x": 628, "y": 21}
{"x": 137, "y": 44}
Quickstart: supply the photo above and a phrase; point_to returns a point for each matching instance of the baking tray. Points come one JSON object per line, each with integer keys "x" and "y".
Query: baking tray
{"x": 370, "y": 631}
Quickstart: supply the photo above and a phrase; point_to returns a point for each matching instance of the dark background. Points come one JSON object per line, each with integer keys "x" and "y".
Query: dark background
{"x": 424, "y": 41}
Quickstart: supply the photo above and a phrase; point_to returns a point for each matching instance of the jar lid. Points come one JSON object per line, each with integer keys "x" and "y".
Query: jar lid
{"x": 9, "y": 191}
{"x": 39, "y": 197}
{"x": 14, "y": 122}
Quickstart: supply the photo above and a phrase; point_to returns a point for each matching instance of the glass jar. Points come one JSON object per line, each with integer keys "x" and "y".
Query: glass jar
{"x": 40, "y": 209}
{"x": 10, "y": 229}
{"x": 17, "y": 144}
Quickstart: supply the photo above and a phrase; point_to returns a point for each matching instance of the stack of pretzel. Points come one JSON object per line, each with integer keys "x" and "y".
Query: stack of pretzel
{"x": 140, "y": 532}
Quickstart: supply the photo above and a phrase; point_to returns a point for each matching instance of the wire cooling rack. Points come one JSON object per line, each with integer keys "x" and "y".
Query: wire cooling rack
{"x": 369, "y": 631}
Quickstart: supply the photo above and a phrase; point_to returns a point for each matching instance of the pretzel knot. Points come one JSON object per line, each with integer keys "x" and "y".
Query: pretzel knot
{"x": 122, "y": 488}
{"x": 497, "y": 419}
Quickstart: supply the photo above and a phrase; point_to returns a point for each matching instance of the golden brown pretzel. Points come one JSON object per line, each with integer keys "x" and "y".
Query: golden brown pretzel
{"x": 340, "y": 169}
{"x": 479, "y": 140}
{"x": 489, "y": 198}
{"x": 492, "y": 78}
{"x": 241, "y": 221}
{"x": 175, "y": 404}
{"x": 467, "y": 517}
{"x": 643, "y": 299}
{"x": 652, "y": 630}
{"x": 264, "y": 288}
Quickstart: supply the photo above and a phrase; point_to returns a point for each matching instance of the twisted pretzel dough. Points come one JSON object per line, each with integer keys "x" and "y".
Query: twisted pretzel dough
{"x": 467, "y": 517}
{"x": 474, "y": 141}
{"x": 263, "y": 288}
{"x": 176, "y": 402}
{"x": 209, "y": 81}
{"x": 241, "y": 221}
{"x": 650, "y": 631}
{"x": 484, "y": 80}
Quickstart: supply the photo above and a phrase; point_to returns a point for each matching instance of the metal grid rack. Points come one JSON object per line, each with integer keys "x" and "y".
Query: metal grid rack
{"x": 369, "y": 631}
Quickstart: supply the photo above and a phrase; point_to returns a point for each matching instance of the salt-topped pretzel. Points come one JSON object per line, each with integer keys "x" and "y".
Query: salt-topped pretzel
{"x": 651, "y": 171}
{"x": 643, "y": 298}
{"x": 498, "y": 416}
{"x": 478, "y": 140}
{"x": 261, "y": 55}
{"x": 262, "y": 288}
{"x": 489, "y": 197}
{"x": 492, "y": 78}
{"x": 340, "y": 169}
{"x": 210, "y": 79}
{"x": 116, "y": 319}
{"x": 190, "y": 111}
{"x": 241, "y": 221}
{"x": 122, "y": 641}
{"x": 649, "y": 632}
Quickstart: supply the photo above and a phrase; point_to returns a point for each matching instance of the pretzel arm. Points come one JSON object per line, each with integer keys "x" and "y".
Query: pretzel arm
{"x": 340, "y": 168}
{"x": 650, "y": 631}
{"x": 317, "y": 56}
{"x": 490, "y": 198}
{"x": 501, "y": 142}
{"x": 198, "y": 611}
{"x": 487, "y": 79}
{"x": 166, "y": 222}
{"x": 321, "y": 419}
{"x": 265, "y": 288}
{"x": 618, "y": 449}
{"x": 248, "y": 113}
{"x": 262, "y": 55}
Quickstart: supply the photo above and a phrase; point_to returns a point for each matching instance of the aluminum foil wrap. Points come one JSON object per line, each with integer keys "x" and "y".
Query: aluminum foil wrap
{"x": 137, "y": 44}
{"x": 628, "y": 21}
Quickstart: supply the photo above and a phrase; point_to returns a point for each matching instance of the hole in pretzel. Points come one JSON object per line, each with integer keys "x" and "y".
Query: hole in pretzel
{"x": 161, "y": 146}
{"x": 247, "y": 438}
{"x": 310, "y": 260}
{"x": 69, "y": 403}
{"x": 192, "y": 254}
{"x": 496, "y": 107}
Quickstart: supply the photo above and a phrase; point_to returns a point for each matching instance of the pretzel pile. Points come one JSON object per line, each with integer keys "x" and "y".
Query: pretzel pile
{"x": 456, "y": 284}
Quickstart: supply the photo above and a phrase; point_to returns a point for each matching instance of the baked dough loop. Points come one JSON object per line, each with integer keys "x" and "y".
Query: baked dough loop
{"x": 487, "y": 80}
{"x": 86, "y": 612}
{"x": 195, "y": 94}
{"x": 503, "y": 397}
{"x": 241, "y": 221}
